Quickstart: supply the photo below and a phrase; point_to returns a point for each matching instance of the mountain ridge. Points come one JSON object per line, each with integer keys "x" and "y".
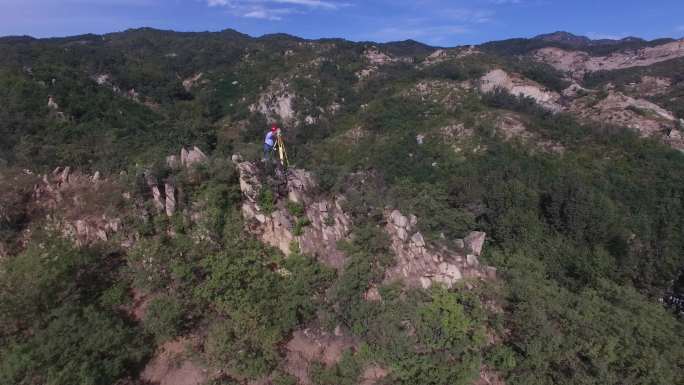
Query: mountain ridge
{"x": 503, "y": 214}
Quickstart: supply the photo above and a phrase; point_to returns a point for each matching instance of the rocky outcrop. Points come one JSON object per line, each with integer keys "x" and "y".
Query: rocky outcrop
{"x": 313, "y": 345}
{"x": 373, "y": 374}
{"x": 80, "y": 206}
{"x": 375, "y": 57}
{"x": 448, "y": 93}
{"x": 419, "y": 264}
{"x": 519, "y": 86}
{"x": 170, "y": 199}
{"x": 650, "y": 86}
{"x": 578, "y": 63}
{"x": 163, "y": 195}
{"x": 512, "y": 127}
{"x": 277, "y": 103}
{"x": 192, "y": 157}
{"x": 442, "y": 55}
{"x": 190, "y": 82}
{"x": 641, "y": 115}
{"x": 316, "y": 233}
{"x": 52, "y": 104}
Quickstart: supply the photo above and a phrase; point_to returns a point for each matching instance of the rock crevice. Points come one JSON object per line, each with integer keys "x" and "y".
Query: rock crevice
{"x": 421, "y": 264}
{"x": 316, "y": 232}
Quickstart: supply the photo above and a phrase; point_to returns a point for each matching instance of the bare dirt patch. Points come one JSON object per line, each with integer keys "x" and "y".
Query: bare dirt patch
{"x": 171, "y": 365}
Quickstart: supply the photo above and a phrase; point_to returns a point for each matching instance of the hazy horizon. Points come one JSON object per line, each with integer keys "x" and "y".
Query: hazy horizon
{"x": 433, "y": 22}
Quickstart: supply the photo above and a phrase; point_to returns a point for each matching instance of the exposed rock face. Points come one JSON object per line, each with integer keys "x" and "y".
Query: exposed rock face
{"x": 173, "y": 162}
{"x": 170, "y": 202}
{"x": 438, "y": 56}
{"x": 79, "y": 207}
{"x": 192, "y": 157}
{"x": 420, "y": 264}
{"x": 474, "y": 242}
{"x": 328, "y": 223}
{"x": 102, "y": 79}
{"x": 52, "y": 104}
{"x": 517, "y": 85}
{"x": 641, "y": 115}
{"x": 575, "y": 90}
{"x": 171, "y": 365}
{"x": 442, "y": 55}
{"x": 373, "y": 374}
{"x": 650, "y": 86}
{"x": 578, "y": 63}
{"x": 374, "y": 56}
{"x": 277, "y": 103}
{"x": 448, "y": 93}
{"x": 191, "y": 81}
{"x": 313, "y": 345}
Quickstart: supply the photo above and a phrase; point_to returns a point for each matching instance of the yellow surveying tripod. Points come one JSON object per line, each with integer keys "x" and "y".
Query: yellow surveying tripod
{"x": 279, "y": 148}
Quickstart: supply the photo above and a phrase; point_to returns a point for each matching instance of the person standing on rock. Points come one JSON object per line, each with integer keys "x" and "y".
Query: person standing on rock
{"x": 270, "y": 141}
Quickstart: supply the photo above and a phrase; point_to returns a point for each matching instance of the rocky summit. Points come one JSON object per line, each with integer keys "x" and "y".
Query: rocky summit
{"x": 504, "y": 213}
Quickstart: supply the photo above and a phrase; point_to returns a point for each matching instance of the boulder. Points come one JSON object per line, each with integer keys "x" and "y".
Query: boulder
{"x": 158, "y": 201}
{"x": 170, "y": 194}
{"x": 372, "y": 295}
{"x": 64, "y": 176}
{"x": 183, "y": 156}
{"x": 418, "y": 240}
{"x": 173, "y": 162}
{"x": 475, "y": 241}
{"x": 195, "y": 156}
{"x": 399, "y": 220}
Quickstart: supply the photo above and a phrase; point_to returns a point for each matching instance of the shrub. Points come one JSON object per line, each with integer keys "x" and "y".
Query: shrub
{"x": 78, "y": 346}
{"x": 295, "y": 209}
{"x": 266, "y": 201}
{"x": 164, "y": 317}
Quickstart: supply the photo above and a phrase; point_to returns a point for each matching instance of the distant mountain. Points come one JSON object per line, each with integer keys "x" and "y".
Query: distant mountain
{"x": 564, "y": 37}
{"x": 582, "y": 41}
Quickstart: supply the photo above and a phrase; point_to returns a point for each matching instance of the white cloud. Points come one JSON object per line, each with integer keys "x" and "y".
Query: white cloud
{"x": 608, "y": 36}
{"x": 274, "y": 9}
{"x": 468, "y": 15}
{"x": 312, "y": 3}
{"x": 267, "y": 13}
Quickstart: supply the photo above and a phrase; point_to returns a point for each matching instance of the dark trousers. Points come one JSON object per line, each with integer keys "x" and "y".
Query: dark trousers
{"x": 267, "y": 151}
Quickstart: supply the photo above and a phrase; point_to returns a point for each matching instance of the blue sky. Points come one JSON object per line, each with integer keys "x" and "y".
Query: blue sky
{"x": 437, "y": 22}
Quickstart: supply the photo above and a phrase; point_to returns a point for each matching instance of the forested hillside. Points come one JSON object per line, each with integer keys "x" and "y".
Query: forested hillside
{"x": 142, "y": 240}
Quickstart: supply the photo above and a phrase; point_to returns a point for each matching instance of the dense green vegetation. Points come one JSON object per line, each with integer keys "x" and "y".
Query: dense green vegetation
{"x": 586, "y": 240}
